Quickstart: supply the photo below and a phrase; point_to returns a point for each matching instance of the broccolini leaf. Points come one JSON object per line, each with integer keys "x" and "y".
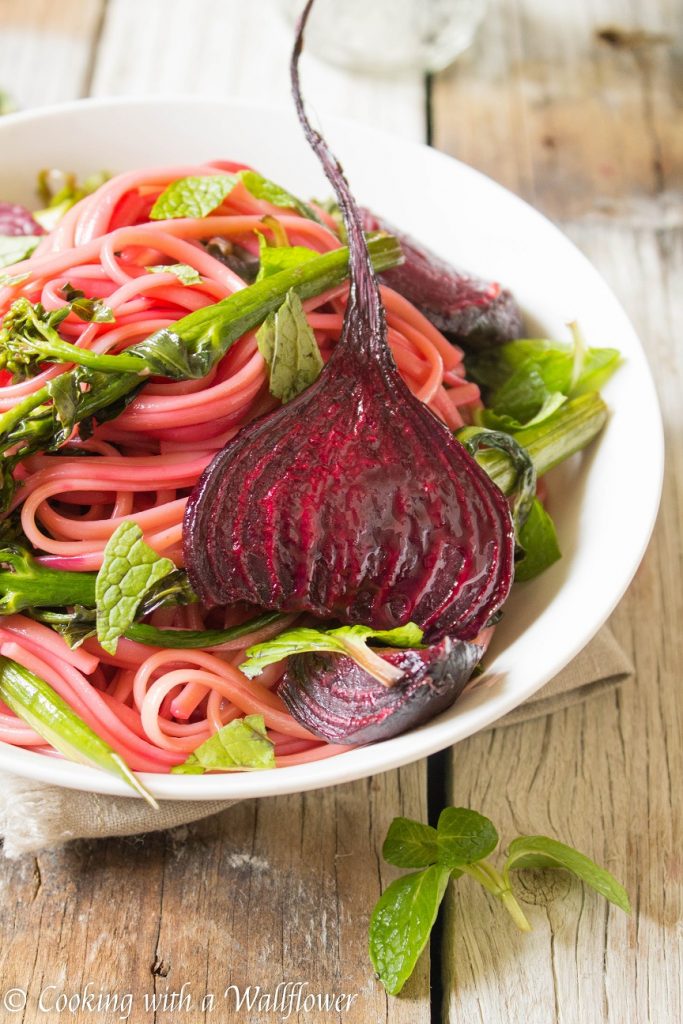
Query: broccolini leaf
{"x": 242, "y": 744}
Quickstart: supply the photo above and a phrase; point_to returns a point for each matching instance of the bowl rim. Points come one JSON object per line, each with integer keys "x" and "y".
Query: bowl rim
{"x": 437, "y": 734}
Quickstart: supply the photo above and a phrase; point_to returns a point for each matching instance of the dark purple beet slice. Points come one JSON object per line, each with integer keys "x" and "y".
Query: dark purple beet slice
{"x": 473, "y": 312}
{"x": 353, "y": 501}
{"x": 339, "y": 701}
{"x": 17, "y": 220}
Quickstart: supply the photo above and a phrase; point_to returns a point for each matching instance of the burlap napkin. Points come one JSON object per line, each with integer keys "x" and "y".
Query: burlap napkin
{"x": 34, "y": 816}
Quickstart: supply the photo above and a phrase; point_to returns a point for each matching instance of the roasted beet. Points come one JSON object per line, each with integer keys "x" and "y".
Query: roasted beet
{"x": 473, "y": 312}
{"x": 337, "y": 700}
{"x": 353, "y": 501}
{"x": 17, "y": 220}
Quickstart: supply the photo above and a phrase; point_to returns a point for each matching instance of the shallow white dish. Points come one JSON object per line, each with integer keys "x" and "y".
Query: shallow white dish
{"x": 603, "y": 513}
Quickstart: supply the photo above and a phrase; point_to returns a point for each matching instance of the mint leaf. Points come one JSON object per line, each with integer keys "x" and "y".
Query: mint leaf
{"x": 242, "y": 744}
{"x": 542, "y": 852}
{"x": 274, "y": 258}
{"x": 402, "y": 922}
{"x": 262, "y": 188}
{"x": 15, "y": 248}
{"x": 90, "y": 310}
{"x": 598, "y": 366}
{"x": 538, "y": 540}
{"x": 129, "y": 569}
{"x": 342, "y": 640}
{"x": 183, "y": 271}
{"x": 410, "y": 844}
{"x": 193, "y": 196}
{"x": 464, "y": 836}
{"x": 288, "y": 346}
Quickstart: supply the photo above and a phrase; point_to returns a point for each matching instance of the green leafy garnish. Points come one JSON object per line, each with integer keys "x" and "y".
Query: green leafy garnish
{"x": 201, "y": 195}
{"x": 539, "y": 544}
{"x": 410, "y": 844}
{"x": 526, "y": 381}
{"x": 349, "y": 640}
{"x": 541, "y": 852}
{"x": 240, "y": 745}
{"x": 130, "y": 568}
{"x": 263, "y": 188}
{"x": 15, "y": 248}
{"x": 193, "y": 196}
{"x": 288, "y": 345}
{"x": 183, "y": 271}
{"x": 93, "y": 311}
{"x": 405, "y": 913}
{"x": 402, "y": 922}
{"x": 60, "y": 191}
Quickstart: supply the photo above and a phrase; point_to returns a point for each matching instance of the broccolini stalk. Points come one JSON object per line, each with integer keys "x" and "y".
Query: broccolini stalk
{"x": 188, "y": 350}
{"x": 36, "y": 703}
{"x": 572, "y": 427}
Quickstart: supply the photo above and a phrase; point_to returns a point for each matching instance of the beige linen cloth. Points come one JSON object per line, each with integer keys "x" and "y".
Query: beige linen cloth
{"x": 34, "y": 816}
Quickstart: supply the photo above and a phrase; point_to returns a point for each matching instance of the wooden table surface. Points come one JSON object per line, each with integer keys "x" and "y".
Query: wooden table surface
{"x": 576, "y": 107}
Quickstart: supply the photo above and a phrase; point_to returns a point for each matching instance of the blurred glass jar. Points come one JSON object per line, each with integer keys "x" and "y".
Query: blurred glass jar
{"x": 389, "y": 36}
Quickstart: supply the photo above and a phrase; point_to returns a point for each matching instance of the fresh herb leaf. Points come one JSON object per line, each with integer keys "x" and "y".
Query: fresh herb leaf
{"x": 130, "y": 568}
{"x": 288, "y": 346}
{"x": 93, "y": 311}
{"x": 464, "y": 836}
{"x": 543, "y": 852}
{"x": 242, "y": 744}
{"x": 401, "y": 924}
{"x": 262, "y": 188}
{"x": 538, "y": 541}
{"x": 183, "y": 271}
{"x": 410, "y": 844}
{"x": 193, "y": 196}
{"x": 404, "y": 915}
{"x": 526, "y": 381}
{"x": 15, "y": 248}
{"x": 349, "y": 640}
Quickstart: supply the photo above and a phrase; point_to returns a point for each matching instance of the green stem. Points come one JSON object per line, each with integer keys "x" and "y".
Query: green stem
{"x": 27, "y": 584}
{"x": 192, "y": 638}
{"x": 36, "y": 703}
{"x": 566, "y": 432}
{"x": 487, "y": 875}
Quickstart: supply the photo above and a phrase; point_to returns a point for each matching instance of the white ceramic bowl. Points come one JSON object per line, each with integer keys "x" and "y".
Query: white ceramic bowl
{"x": 604, "y": 510}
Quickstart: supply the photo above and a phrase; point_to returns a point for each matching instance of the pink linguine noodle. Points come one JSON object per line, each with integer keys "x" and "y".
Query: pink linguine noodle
{"x": 155, "y": 706}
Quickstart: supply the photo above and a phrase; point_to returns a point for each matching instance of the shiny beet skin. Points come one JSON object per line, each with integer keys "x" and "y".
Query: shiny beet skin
{"x": 473, "y": 312}
{"x": 352, "y": 502}
{"x": 337, "y": 700}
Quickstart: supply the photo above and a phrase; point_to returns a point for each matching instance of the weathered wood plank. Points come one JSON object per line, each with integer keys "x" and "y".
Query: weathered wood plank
{"x": 590, "y": 131}
{"x": 268, "y": 892}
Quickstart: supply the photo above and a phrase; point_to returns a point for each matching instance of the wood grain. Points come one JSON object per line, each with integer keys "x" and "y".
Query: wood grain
{"x": 583, "y": 116}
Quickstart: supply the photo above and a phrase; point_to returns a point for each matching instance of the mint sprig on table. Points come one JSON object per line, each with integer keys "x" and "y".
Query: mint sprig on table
{"x": 404, "y": 915}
